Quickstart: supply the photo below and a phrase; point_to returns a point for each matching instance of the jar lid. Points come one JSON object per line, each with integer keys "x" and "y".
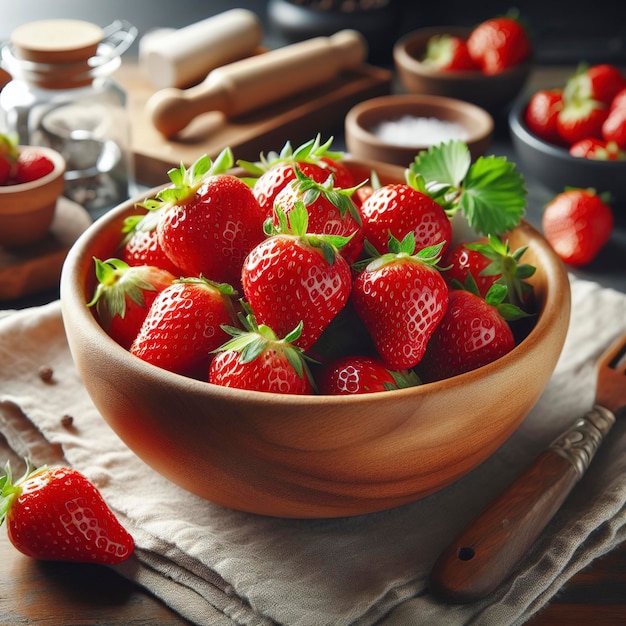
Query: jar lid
{"x": 56, "y": 41}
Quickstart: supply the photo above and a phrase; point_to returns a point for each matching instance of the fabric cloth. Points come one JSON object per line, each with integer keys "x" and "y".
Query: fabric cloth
{"x": 217, "y": 566}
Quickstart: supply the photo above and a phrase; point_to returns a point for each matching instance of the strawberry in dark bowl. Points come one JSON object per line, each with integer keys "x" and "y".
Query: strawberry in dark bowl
{"x": 295, "y": 449}
{"x": 31, "y": 181}
{"x": 574, "y": 134}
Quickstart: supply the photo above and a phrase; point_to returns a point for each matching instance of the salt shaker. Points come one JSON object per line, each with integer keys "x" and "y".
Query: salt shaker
{"x": 62, "y": 96}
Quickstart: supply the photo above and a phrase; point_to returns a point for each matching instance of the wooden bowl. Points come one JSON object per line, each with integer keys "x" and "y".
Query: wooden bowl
{"x": 311, "y": 456}
{"x": 492, "y": 92}
{"x": 555, "y": 168}
{"x": 364, "y": 142}
{"x": 27, "y": 210}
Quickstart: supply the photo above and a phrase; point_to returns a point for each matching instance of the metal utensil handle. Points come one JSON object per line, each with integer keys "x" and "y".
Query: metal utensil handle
{"x": 486, "y": 552}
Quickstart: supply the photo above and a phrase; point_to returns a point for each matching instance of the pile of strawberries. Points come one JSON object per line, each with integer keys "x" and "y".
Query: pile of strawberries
{"x": 492, "y": 47}
{"x": 300, "y": 279}
{"x": 18, "y": 167}
{"x": 587, "y": 116}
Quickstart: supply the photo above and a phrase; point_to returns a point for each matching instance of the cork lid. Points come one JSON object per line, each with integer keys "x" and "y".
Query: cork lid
{"x": 56, "y": 41}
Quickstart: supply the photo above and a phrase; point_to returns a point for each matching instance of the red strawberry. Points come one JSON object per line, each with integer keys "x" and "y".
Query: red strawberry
{"x": 124, "y": 295}
{"x": 448, "y": 52}
{"x": 275, "y": 171}
{"x": 594, "y": 148}
{"x": 330, "y": 211}
{"x": 32, "y": 166}
{"x": 401, "y": 297}
{"x": 614, "y": 127}
{"x": 580, "y": 119}
{"x": 140, "y": 244}
{"x": 598, "y": 82}
{"x": 183, "y": 326}
{"x": 619, "y": 100}
{"x": 56, "y": 514}
{"x": 497, "y": 44}
{"x": 472, "y": 333}
{"x": 209, "y": 220}
{"x": 489, "y": 260}
{"x": 577, "y": 223}
{"x": 8, "y": 159}
{"x": 257, "y": 360}
{"x": 542, "y": 112}
{"x": 361, "y": 374}
{"x": 294, "y": 276}
{"x": 399, "y": 209}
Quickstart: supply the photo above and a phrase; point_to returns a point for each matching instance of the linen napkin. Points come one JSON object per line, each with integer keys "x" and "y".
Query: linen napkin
{"x": 218, "y": 566}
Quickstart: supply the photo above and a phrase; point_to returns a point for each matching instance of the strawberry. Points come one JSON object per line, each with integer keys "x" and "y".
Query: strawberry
{"x": 598, "y": 82}
{"x": 577, "y": 223}
{"x": 472, "y": 333}
{"x": 124, "y": 295}
{"x": 56, "y": 514}
{"x": 330, "y": 211}
{"x": 594, "y": 148}
{"x": 497, "y": 44}
{"x": 8, "y": 159}
{"x": 489, "y": 260}
{"x": 398, "y": 209}
{"x": 257, "y": 360}
{"x": 614, "y": 128}
{"x": 542, "y": 112}
{"x": 296, "y": 276}
{"x": 449, "y": 53}
{"x": 275, "y": 171}
{"x": 32, "y": 166}
{"x": 140, "y": 244}
{"x": 579, "y": 119}
{"x": 183, "y": 326}
{"x": 361, "y": 374}
{"x": 209, "y": 220}
{"x": 619, "y": 100}
{"x": 401, "y": 298}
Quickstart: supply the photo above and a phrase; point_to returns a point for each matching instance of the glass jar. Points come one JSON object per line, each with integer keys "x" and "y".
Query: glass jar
{"x": 62, "y": 96}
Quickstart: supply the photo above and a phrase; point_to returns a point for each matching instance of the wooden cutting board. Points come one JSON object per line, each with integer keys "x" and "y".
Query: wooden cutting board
{"x": 296, "y": 119}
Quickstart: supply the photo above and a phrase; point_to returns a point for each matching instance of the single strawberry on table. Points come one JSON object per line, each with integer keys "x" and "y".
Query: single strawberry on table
{"x": 256, "y": 359}
{"x": 57, "y": 514}
{"x": 401, "y": 298}
{"x": 184, "y": 324}
{"x": 123, "y": 296}
{"x": 359, "y": 374}
{"x": 577, "y": 223}
{"x": 295, "y": 276}
{"x": 473, "y": 332}
{"x": 208, "y": 220}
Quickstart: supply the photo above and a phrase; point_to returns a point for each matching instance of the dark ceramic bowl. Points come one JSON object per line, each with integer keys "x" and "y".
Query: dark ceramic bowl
{"x": 555, "y": 168}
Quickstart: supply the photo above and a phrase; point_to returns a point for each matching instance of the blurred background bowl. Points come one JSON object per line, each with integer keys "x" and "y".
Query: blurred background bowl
{"x": 492, "y": 92}
{"x": 555, "y": 168}
{"x": 27, "y": 209}
{"x": 363, "y": 141}
{"x": 311, "y": 456}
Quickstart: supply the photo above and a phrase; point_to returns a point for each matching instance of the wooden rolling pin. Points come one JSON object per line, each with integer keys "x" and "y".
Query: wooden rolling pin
{"x": 248, "y": 84}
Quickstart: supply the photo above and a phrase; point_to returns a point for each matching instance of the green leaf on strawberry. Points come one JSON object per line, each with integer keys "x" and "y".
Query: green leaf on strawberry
{"x": 490, "y": 192}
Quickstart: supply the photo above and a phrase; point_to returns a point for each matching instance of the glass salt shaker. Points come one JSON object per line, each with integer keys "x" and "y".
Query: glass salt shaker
{"x": 62, "y": 96}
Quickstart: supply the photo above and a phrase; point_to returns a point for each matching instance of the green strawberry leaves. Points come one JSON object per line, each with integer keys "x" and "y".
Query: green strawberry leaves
{"x": 490, "y": 192}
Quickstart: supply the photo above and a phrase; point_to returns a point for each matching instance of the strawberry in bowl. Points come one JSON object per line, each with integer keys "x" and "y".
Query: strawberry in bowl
{"x": 297, "y": 319}
{"x": 31, "y": 180}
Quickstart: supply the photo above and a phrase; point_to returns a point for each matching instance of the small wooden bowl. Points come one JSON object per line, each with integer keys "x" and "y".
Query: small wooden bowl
{"x": 27, "y": 210}
{"x": 493, "y": 92}
{"x": 311, "y": 456}
{"x": 364, "y": 143}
